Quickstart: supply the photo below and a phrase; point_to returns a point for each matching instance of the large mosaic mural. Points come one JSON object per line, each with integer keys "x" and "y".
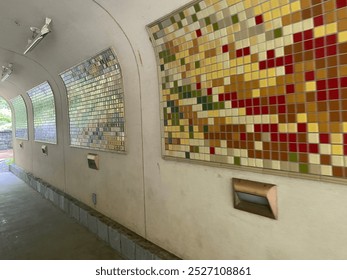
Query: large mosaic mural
{"x": 42, "y": 98}
{"x": 21, "y": 117}
{"x": 96, "y": 103}
{"x": 256, "y": 83}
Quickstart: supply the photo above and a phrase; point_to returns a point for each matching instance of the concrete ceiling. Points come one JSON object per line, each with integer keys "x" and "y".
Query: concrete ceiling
{"x": 79, "y": 29}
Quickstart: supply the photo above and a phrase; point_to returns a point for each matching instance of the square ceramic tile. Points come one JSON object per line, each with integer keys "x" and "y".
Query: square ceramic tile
{"x": 271, "y": 90}
{"x": 96, "y": 101}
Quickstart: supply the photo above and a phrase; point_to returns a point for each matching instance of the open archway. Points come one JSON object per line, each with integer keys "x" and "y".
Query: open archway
{"x": 6, "y": 152}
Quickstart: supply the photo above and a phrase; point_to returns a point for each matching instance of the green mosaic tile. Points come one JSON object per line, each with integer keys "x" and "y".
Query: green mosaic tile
{"x": 293, "y": 157}
{"x": 278, "y": 32}
{"x": 215, "y": 26}
{"x": 303, "y": 168}
{"x": 207, "y": 21}
{"x": 197, "y": 8}
{"x": 235, "y": 19}
{"x": 237, "y": 160}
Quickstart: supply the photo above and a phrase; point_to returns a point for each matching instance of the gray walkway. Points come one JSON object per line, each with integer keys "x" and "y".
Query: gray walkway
{"x": 33, "y": 228}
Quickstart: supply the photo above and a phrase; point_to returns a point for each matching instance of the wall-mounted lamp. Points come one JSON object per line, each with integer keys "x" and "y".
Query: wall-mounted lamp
{"x": 44, "y": 150}
{"x": 6, "y": 71}
{"x": 255, "y": 197}
{"x": 93, "y": 161}
{"x": 37, "y": 35}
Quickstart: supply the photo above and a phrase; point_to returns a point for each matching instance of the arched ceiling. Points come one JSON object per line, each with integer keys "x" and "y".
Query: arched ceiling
{"x": 79, "y": 29}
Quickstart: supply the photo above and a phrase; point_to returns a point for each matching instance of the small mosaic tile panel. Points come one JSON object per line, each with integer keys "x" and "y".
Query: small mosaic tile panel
{"x": 42, "y": 99}
{"x": 259, "y": 83}
{"x": 96, "y": 103}
{"x": 21, "y": 117}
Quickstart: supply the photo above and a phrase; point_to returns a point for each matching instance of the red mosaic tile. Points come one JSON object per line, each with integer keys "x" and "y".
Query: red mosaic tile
{"x": 308, "y": 34}
{"x": 259, "y": 19}
{"x": 313, "y": 148}
{"x": 225, "y": 48}
{"x": 319, "y": 53}
{"x": 303, "y": 148}
{"x": 341, "y": 3}
{"x": 293, "y": 147}
{"x": 298, "y": 37}
{"x": 319, "y": 42}
{"x": 282, "y": 109}
{"x": 198, "y": 33}
{"x": 318, "y": 21}
{"x": 309, "y": 76}
{"x": 302, "y": 127}
{"x": 324, "y": 138}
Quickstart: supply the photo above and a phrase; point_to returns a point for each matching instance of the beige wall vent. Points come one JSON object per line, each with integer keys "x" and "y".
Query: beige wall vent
{"x": 93, "y": 161}
{"x": 44, "y": 150}
{"x": 255, "y": 197}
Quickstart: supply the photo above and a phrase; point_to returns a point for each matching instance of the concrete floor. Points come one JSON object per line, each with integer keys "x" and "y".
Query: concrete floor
{"x": 33, "y": 228}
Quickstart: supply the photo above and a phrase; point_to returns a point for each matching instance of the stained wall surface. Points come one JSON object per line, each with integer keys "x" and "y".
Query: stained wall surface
{"x": 268, "y": 76}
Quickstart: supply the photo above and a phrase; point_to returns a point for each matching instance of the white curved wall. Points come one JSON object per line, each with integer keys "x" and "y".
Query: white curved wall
{"x": 183, "y": 207}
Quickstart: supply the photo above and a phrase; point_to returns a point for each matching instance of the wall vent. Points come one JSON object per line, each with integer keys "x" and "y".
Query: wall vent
{"x": 44, "y": 150}
{"x": 93, "y": 161}
{"x": 255, "y": 197}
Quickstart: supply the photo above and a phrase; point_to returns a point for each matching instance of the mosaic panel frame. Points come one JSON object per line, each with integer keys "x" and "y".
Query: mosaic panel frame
{"x": 21, "y": 120}
{"x": 95, "y": 94}
{"x": 255, "y": 83}
{"x": 44, "y": 112}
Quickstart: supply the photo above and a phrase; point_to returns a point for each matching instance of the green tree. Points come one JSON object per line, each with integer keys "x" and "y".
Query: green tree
{"x": 5, "y": 115}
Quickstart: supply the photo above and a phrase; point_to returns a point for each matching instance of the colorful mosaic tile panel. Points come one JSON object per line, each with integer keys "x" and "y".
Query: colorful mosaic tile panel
{"x": 42, "y": 99}
{"x": 96, "y": 103}
{"x": 259, "y": 83}
{"x": 21, "y": 117}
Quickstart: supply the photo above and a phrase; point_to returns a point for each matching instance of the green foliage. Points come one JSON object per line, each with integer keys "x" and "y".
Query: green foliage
{"x": 9, "y": 161}
{"x": 5, "y": 115}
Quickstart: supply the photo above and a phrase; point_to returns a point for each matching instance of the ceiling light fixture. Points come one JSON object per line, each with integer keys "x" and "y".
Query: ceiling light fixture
{"x": 37, "y": 35}
{"x": 6, "y": 72}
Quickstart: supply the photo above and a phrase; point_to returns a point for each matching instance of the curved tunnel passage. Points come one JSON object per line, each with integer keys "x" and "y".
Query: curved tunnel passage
{"x": 216, "y": 80}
